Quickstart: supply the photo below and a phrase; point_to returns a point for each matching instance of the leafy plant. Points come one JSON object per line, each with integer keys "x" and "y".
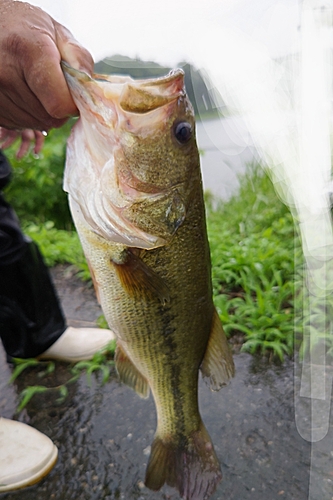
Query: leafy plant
{"x": 257, "y": 263}
{"x": 101, "y": 361}
{"x": 28, "y": 393}
{"x": 36, "y": 191}
{"x": 56, "y": 245}
{"x": 254, "y": 251}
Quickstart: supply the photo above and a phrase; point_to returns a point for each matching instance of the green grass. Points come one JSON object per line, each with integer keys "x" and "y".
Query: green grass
{"x": 256, "y": 264}
{"x": 101, "y": 363}
{"x": 257, "y": 273}
{"x": 58, "y": 246}
{"x": 256, "y": 253}
{"x": 36, "y": 189}
{"x": 256, "y": 256}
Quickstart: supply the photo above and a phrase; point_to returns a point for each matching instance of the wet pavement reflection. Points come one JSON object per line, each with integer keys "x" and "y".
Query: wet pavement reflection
{"x": 104, "y": 432}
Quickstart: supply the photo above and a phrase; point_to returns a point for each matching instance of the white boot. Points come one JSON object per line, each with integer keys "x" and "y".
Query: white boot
{"x": 26, "y": 455}
{"x": 78, "y": 344}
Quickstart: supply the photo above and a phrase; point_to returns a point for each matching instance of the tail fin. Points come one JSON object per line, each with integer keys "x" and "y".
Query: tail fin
{"x": 190, "y": 466}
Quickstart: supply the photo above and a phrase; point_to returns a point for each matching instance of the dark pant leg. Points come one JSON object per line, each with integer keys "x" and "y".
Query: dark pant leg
{"x": 31, "y": 319}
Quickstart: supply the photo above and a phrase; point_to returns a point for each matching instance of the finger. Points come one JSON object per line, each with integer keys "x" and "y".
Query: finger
{"x": 8, "y": 142}
{"x": 33, "y": 90}
{"x": 39, "y": 141}
{"x": 46, "y": 80}
{"x": 4, "y": 133}
{"x": 14, "y": 114}
{"x": 71, "y": 51}
{"x": 7, "y": 137}
{"x": 27, "y": 136}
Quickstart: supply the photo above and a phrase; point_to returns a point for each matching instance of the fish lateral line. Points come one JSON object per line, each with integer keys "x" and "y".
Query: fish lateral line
{"x": 138, "y": 279}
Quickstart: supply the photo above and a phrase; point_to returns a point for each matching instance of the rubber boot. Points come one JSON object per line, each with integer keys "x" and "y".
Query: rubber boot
{"x": 26, "y": 455}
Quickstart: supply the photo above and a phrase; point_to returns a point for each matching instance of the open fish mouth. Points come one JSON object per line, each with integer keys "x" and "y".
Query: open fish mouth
{"x": 133, "y": 96}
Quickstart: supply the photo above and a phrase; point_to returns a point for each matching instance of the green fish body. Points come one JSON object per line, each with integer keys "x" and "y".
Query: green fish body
{"x": 135, "y": 192}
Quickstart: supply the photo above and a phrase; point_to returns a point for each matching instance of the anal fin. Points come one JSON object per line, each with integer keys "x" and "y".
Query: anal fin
{"x": 129, "y": 374}
{"x": 217, "y": 364}
{"x": 140, "y": 280}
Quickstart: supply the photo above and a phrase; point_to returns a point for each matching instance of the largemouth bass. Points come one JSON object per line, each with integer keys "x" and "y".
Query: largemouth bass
{"x": 135, "y": 193}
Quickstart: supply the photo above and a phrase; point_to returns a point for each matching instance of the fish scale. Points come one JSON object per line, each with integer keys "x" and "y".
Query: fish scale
{"x": 140, "y": 216}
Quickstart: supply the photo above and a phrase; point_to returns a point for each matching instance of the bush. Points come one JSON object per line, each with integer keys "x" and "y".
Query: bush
{"x": 36, "y": 191}
{"x": 255, "y": 254}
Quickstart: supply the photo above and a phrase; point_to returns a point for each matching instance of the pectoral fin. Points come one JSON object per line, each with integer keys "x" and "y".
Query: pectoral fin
{"x": 140, "y": 280}
{"x": 129, "y": 374}
{"x": 217, "y": 364}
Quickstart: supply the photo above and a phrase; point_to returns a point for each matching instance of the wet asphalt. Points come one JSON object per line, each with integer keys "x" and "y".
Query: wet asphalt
{"x": 104, "y": 432}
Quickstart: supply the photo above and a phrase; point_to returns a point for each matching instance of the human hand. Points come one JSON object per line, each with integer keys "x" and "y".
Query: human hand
{"x": 33, "y": 90}
{"x": 27, "y": 136}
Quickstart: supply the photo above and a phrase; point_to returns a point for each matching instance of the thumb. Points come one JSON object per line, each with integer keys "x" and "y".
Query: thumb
{"x": 71, "y": 51}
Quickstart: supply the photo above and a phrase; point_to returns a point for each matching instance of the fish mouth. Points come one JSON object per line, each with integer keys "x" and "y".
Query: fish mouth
{"x": 144, "y": 96}
{"x": 116, "y": 112}
{"x": 122, "y": 92}
{"x": 124, "y": 108}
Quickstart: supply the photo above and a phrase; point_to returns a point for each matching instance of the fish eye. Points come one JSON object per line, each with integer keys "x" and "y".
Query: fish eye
{"x": 183, "y": 132}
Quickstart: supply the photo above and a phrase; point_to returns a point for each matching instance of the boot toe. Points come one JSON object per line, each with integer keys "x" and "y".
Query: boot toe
{"x": 78, "y": 344}
{"x": 26, "y": 455}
